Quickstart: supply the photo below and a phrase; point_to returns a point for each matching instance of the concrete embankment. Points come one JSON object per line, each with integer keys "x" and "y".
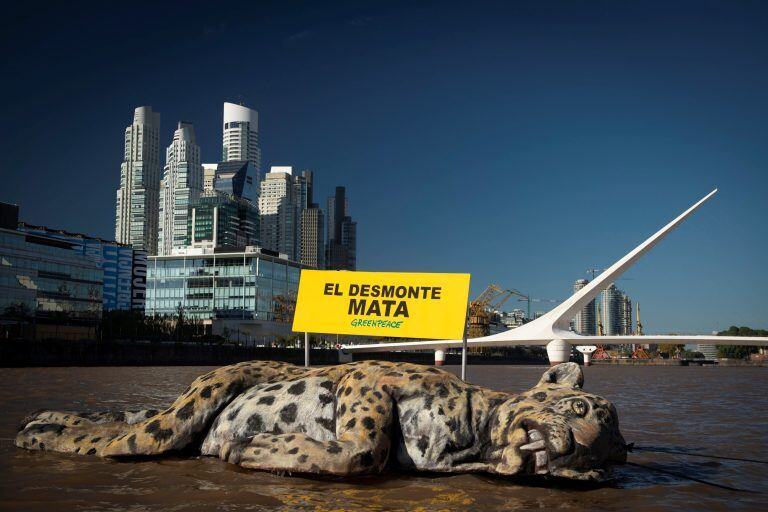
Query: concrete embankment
{"x": 678, "y": 362}
{"x": 20, "y": 353}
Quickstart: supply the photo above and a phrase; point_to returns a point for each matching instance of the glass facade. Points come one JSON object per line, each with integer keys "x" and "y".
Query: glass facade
{"x": 43, "y": 279}
{"x": 238, "y": 285}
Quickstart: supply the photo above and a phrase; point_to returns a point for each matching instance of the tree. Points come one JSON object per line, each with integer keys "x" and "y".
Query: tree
{"x": 739, "y": 351}
{"x": 670, "y": 350}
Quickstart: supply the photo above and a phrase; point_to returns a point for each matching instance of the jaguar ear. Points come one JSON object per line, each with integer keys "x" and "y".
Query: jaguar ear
{"x": 565, "y": 374}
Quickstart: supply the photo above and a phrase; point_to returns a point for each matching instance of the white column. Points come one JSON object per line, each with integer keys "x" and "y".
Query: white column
{"x": 558, "y": 351}
{"x": 439, "y": 357}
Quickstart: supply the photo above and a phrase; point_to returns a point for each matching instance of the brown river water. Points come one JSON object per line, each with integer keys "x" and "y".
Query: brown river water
{"x": 713, "y": 411}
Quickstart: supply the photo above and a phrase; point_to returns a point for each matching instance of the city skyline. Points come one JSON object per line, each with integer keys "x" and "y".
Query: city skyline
{"x": 630, "y": 133}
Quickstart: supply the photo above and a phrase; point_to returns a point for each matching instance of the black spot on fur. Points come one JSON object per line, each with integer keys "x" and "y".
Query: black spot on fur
{"x": 80, "y": 438}
{"x": 364, "y": 390}
{"x": 274, "y": 388}
{"x": 303, "y": 458}
{"x": 232, "y": 415}
{"x": 358, "y": 375}
{"x": 269, "y": 400}
{"x": 89, "y": 452}
{"x": 95, "y": 440}
{"x": 290, "y": 438}
{"x": 540, "y": 396}
{"x": 365, "y": 459}
{"x": 415, "y": 376}
{"x": 333, "y": 447}
{"x": 132, "y": 443}
{"x": 288, "y": 413}
{"x": 327, "y": 424}
{"x": 369, "y": 423}
{"x": 293, "y": 451}
{"x": 255, "y": 423}
{"x": 187, "y": 411}
{"x": 347, "y": 391}
{"x": 422, "y": 444}
{"x": 377, "y": 394}
{"x": 151, "y": 412}
{"x": 206, "y": 392}
{"x": 327, "y": 385}
{"x": 342, "y": 409}
{"x": 351, "y": 423}
{"x": 298, "y": 388}
{"x": 325, "y": 399}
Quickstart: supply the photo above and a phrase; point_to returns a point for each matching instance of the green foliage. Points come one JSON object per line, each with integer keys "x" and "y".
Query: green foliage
{"x": 739, "y": 351}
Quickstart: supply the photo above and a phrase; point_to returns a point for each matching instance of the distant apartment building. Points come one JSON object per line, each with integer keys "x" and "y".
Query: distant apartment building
{"x": 181, "y": 186}
{"x": 616, "y": 312}
{"x": 585, "y": 323}
{"x": 137, "y": 199}
{"x": 513, "y": 319}
{"x": 278, "y": 212}
{"x": 341, "y": 247}
{"x": 241, "y": 135}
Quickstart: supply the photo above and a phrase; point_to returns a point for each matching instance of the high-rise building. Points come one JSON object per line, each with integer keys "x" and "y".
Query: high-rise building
{"x": 585, "y": 322}
{"x": 616, "y": 312}
{"x": 241, "y": 135}
{"x": 137, "y": 201}
{"x": 239, "y": 178}
{"x": 209, "y": 176}
{"x": 341, "y": 252}
{"x": 312, "y": 237}
{"x": 218, "y": 219}
{"x": 626, "y": 315}
{"x": 182, "y": 184}
{"x": 278, "y": 213}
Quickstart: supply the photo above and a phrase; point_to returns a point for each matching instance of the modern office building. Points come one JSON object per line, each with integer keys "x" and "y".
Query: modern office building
{"x": 341, "y": 247}
{"x": 247, "y": 294}
{"x": 313, "y": 237}
{"x": 48, "y": 288}
{"x": 278, "y": 213}
{"x": 221, "y": 220}
{"x": 239, "y": 178}
{"x": 181, "y": 186}
{"x": 585, "y": 322}
{"x": 137, "y": 200}
{"x": 241, "y": 135}
{"x": 124, "y": 269}
{"x": 616, "y": 312}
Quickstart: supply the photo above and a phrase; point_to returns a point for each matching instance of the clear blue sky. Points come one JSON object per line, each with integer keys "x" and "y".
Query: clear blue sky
{"x": 523, "y": 142}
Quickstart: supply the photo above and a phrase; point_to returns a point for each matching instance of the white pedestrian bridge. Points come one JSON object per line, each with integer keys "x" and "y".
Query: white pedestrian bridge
{"x": 552, "y": 329}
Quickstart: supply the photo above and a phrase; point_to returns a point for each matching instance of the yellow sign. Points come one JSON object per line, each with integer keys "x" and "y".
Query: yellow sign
{"x": 404, "y": 305}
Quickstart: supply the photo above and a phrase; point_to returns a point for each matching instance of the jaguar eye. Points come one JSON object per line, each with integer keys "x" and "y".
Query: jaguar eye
{"x": 579, "y": 407}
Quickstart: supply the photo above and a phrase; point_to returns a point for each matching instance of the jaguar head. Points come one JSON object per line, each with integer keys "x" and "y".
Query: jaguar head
{"x": 556, "y": 429}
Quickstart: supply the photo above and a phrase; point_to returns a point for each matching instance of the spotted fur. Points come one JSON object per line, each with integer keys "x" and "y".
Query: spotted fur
{"x": 356, "y": 418}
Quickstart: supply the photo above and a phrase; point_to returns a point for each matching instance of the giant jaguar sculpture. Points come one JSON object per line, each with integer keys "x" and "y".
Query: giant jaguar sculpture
{"x": 355, "y": 419}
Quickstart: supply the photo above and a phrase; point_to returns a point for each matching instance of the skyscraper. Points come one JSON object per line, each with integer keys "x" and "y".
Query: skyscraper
{"x": 278, "y": 209}
{"x": 585, "y": 322}
{"x": 241, "y": 135}
{"x": 341, "y": 251}
{"x": 312, "y": 237}
{"x": 182, "y": 184}
{"x": 616, "y": 312}
{"x": 238, "y": 178}
{"x": 137, "y": 201}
